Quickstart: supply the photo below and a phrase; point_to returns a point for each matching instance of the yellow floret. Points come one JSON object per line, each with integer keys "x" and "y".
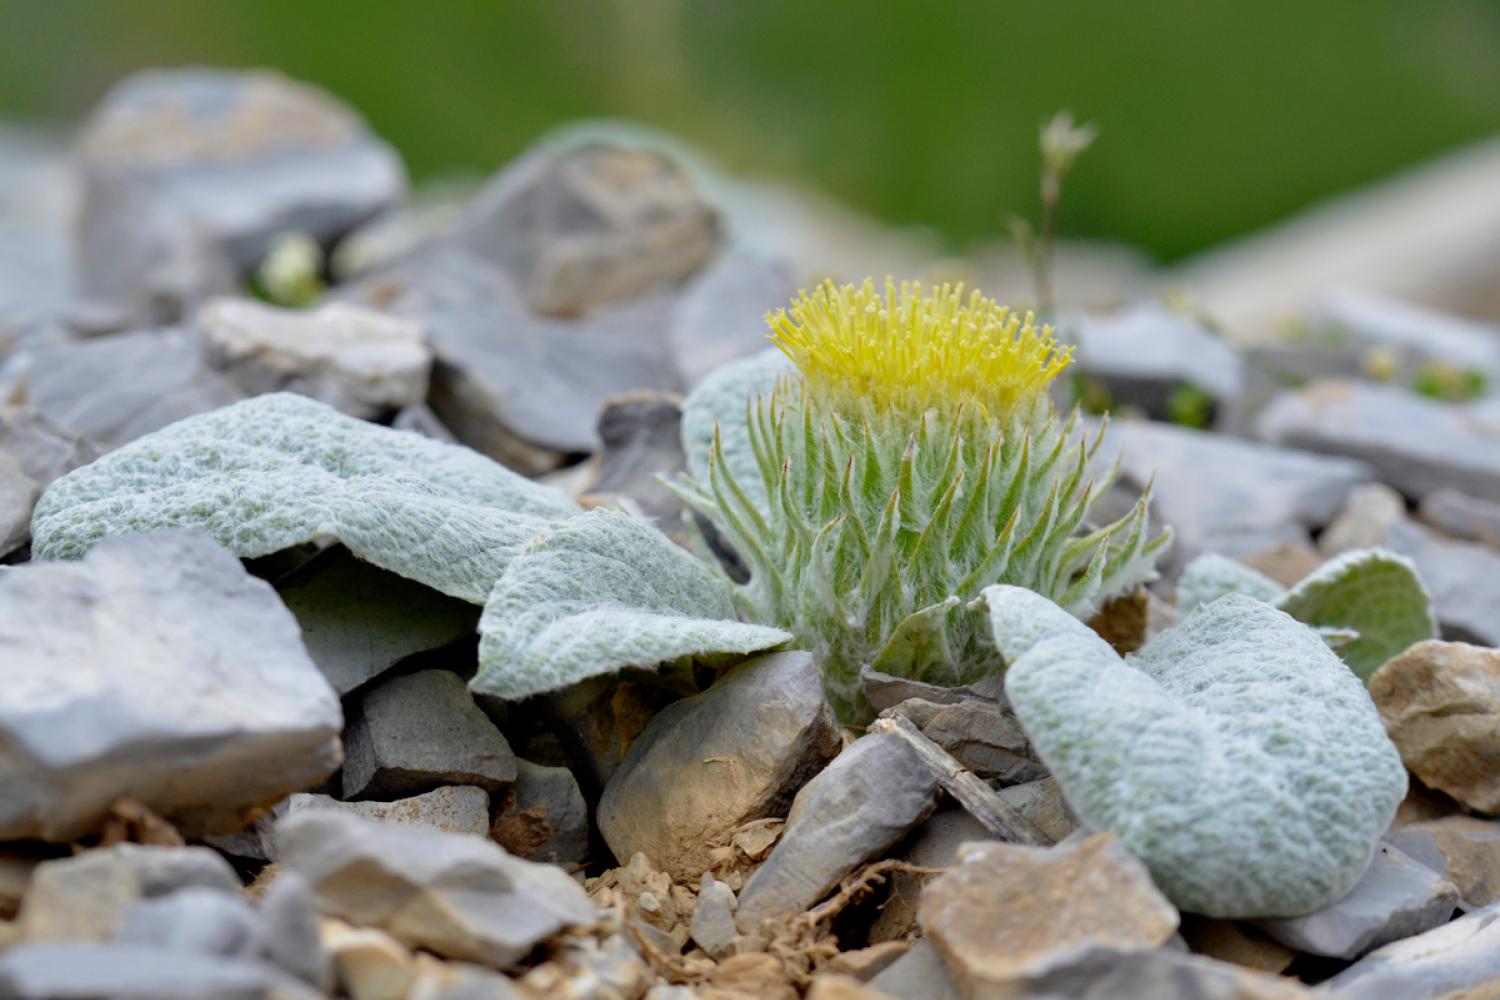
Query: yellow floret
{"x": 917, "y": 350}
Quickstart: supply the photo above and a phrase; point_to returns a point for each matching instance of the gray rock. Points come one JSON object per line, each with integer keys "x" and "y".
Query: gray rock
{"x": 640, "y": 440}
{"x": 1458, "y": 956}
{"x": 934, "y": 845}
{"x": 455, "y": 809}
{"x": 1147, "y": 353}
{"x": 1462, "y": 577}
{"x": 36, "y": 201}
{"x": 1397, "y": 898}
{"x": 1463, "y": 516}
{"x": 137, "y": 972}
{"x": 713, "y": 928}
{"x": 1465, "y": 850}
{"x": 419, "y": 419}
{"x": 1164, "y": 974}
{"x": 1369, "y": 514}
{"x": 15, "y": 874}
{"x": 579, "y": 228}
{"x": 1043, "y": 804}
{"x": 86, "y": 897}
{"x": 155, "y": 668}
{"x": 494, "y": 908}
{"x": 1416, "y": 444}
{"x": 415, "y": 732}
{"x": 358, "y": 620}
{"x": 706, "y": 765}
{"x": 984, "y": 736}
{"x": 517, "y": 386}
{"x": 290, "y": 938}
{"x": 872, "y": 794}
{"x": 1414, "y": 335}
{"x": 18, "y": 494}
{"x": 111, "y": 390}
{"x": 42, "y": 448}
{"x": 360, "y": 361}
{"x": 919, "y": 973}
{"x": 543, "y": 816}
{"x": 1222, "y": 494}
{"x": 722, "y": 313}
{"x": 245, "y": 156}
{"x": 886, "y": 691}
{"x": 207, "y": 921}
{"x": 592, "y": 725}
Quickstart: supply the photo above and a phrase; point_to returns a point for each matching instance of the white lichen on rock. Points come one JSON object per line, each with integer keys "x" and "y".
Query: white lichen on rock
{"x": 1235, "y": 755}
{"x": 281, "y": 470}
{"x": 597, "y": 593}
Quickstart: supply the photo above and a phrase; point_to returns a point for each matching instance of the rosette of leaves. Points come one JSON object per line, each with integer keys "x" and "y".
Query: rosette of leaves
{"x": 910, "y": 458}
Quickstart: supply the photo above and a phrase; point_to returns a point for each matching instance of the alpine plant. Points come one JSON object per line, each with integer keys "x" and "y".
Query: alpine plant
{"x": 911, "y": 459}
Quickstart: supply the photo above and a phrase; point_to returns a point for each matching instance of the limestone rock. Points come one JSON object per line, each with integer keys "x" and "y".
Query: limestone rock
{"x": 155, "y": 668}
{"x": 708, "y": 764}
{"x": 1397, "y": 898}
{"x": 640, "y": 440}
{"x": 867, "y": 799}
{"x": 934, "y": 844}
{"x": 721, "y": 315}
{"x": 85, "y": 898}
{"x": 245, "y": 155}
{"x": 368, "y": 964}
{"x": 1043, "y": 804}
{"x": 207, "y": 921}
{"x": 359, "y": 620}
{"x": 1440, "y": 702}
{"x": 581, "y": 228}
{"x": 1463, "y": 849}
{"x": 921, "y": 972}
{"x": 543, "y": 816}
{"x": 1009, "y": 915}
{"x": 415, "y": 732}
{"x": 713, "y": 928}
{"x": 1463, "y": 516}
{"x": 62, "y": 971}
{"x": 1163, "y": 974}
{"x": 462, "y": 897}
{"x": 982, "y": 735}
{"x": 355, "y": 359}
{"x": 453, "y": 808}
{"x": 1463, "y": 578}
{"x": 1418, "y": 445}
{"x": 1458, "y": 956}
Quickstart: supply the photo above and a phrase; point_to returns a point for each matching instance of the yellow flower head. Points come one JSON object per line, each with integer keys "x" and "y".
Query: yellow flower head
{"x": 917, "y": 351}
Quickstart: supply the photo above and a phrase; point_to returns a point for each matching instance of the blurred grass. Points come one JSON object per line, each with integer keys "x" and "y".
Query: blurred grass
{"x": 1217, "y": 116}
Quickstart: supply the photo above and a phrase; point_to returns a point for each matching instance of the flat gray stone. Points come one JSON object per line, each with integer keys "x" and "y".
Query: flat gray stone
{"x": 984, "y": 736}
{"x": 1397, "y": 898}
{"x": 86, "y": 897}
{"x": 200, "y": 136}
{"x": 1462, "y": 577}
{"x": 1416, "y": 444}
{"x": 706, "y": 765}
{"x": 594, "y": 225}
{"x": 1223, "y": 494}
{"x": 543, "y": 816}
{"x": 640, "y": 437}
{"x": 358, "y": 620}
{"x": 41, "y": 447}
{"x": 454, "y": 809}
{"x": 207, "y": 921}
{"x": 1463, "y": 516}
{"x": 494, "y": 908}
{"x": 155, "y": 668}
{"x": 1462, "y": 955}
{"x": 871, "y": 796}
{"x": 68, "y": 971}
{"x": 1414, "y": 335}
{"x": 1042, "y": 803}
{"x": 291, "y": 936}
{"x": 359, "y": 361}
{"x": 412, "y": 733}
{"x": 721, "y": 315}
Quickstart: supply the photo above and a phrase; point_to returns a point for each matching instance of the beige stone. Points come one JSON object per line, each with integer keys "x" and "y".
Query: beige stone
{"x": 837, "y": 987}
{"x": 755, "y": 975}
{"x": 1464, "y": 849}
{"x": 1008, "y": 915}
{"x": 369, "y": 964}
{"x": 452, "y": 808}
{"x": 1440, "y": 702}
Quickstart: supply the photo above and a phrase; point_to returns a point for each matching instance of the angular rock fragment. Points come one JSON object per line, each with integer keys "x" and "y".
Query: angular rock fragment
{"x": 157, "y": 669}
{"x": 713, "y": 928}
{"x": 982, "y": 735}
{"x": 708, "y": 764}
{"x": 1396, "y": 899}
{"x": 415, "y": 732}
{"x": 61, "y": 971}
{"x": 1443, "y": 962}
{"x": 85, "y": 898}
{"x": 921, "y": 972}
{"x": 721, "y": 315}
{"x": 1440, "y": 702}
{"x": 206, "y": 921}
{"x": 872, "y": 794}
{"x": 1465, "y": 850}
{"x": 542, "y": 816}
{"x": 1463, "y": 516}
{"x": 1008, "y": 915}
{"x": 641, "y": 444}
{"x": 454, "y": 809}
{"x": 577, "y": 229}
{"x": 934, "y": 844}
{"x": 459, "y": 896}
{"x": 359, "y": 361}
{"x": 1463, "y": 577}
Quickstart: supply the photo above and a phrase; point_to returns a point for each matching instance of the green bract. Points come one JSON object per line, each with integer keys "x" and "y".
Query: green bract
{"x": 868, "y": 533}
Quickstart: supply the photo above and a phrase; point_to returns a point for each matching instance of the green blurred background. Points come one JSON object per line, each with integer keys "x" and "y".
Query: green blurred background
{"x": 1217, "y": 117}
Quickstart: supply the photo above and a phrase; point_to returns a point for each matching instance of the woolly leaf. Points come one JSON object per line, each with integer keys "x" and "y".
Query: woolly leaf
{"x": 1212, "y": 576}
{"x": 1235, "y": 755}
{"x": 597, "y": 593}
{"x": 1373, "y": 593}
{"x": 281, "y": 470}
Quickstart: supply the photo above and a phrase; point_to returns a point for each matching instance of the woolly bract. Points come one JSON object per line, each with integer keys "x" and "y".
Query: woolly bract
{"x": 910, "y": 459}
